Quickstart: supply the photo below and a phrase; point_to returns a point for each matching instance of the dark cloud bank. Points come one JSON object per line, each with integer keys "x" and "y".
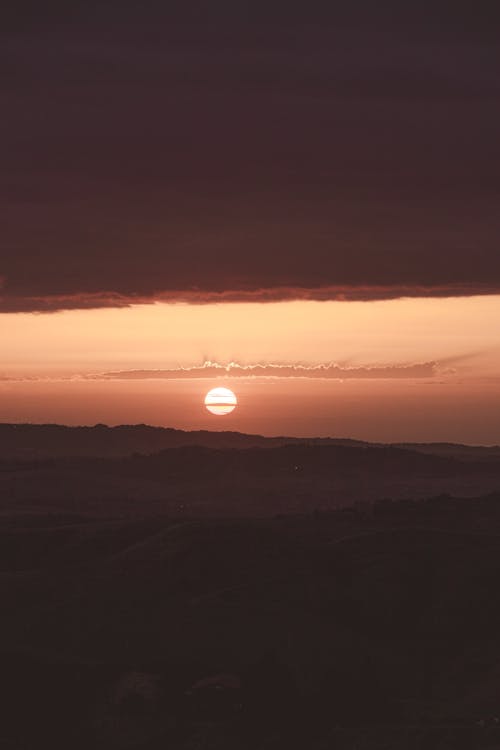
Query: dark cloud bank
{"x": 220, "y": 153}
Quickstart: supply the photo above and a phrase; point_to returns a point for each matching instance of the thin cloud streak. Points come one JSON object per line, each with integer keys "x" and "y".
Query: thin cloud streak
{"x": 331, "y": 371}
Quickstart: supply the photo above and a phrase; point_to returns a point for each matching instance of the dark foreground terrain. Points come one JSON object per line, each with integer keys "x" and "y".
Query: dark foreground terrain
{"x": 224, "y": 623}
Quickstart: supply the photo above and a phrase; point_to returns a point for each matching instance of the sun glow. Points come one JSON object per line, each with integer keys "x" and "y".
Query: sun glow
{"x": 406, "y": 370}
{"x": 220, "y": 401}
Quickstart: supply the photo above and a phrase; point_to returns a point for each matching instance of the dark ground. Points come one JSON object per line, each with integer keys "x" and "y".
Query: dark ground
{"x": 147, "y": 625}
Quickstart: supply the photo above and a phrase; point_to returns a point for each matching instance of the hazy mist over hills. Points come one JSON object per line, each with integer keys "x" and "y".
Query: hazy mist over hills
{"x": 142, "y": 471}
{"x": 51, "y": 440}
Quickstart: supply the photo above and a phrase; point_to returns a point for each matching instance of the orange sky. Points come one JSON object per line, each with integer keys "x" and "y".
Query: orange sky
{"x": 52, "y": 367}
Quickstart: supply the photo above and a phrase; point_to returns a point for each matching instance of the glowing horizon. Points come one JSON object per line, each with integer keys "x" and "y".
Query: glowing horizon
{"x": 303, "y": 368}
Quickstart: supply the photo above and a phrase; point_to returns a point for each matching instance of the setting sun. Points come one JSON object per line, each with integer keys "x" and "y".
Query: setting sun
{"x": 220, "y": 401}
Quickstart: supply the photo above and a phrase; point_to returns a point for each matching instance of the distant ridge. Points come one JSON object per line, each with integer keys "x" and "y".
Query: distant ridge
{"x": 33, "y": 441}
{"x": 455, "y": 450}
{"x": 41, "y": 441}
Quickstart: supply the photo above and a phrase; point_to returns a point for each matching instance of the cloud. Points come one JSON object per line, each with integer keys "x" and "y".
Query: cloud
{"x": 79, "y": 301}
{"x": 342, "y": 152}
{"x": 330, "y": 371}
{"x": 21, "y": 378}
{"x": 366, "y": 293}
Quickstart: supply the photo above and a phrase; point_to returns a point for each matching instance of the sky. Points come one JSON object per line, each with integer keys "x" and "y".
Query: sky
{"x": 298, "y": 202}
{"x": 392, "y": 370}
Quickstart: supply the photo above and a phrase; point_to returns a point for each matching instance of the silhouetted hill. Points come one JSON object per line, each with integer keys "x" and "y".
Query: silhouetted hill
{"x": 300, "y": 459}
{"x": 234, "y": 592}
{"x": 372, "y": 628}
{"x": 55, "y": 441}
{"x": 456, "y": 450}
{"x": 197, "y": 480}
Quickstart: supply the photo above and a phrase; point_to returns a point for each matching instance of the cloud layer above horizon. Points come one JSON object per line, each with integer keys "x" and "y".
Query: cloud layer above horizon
{"x": 329, "y": 371}
{"x": 220, "y": 154}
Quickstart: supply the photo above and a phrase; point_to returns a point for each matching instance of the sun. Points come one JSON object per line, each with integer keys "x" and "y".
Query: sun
{"x": 220, "y": 401}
